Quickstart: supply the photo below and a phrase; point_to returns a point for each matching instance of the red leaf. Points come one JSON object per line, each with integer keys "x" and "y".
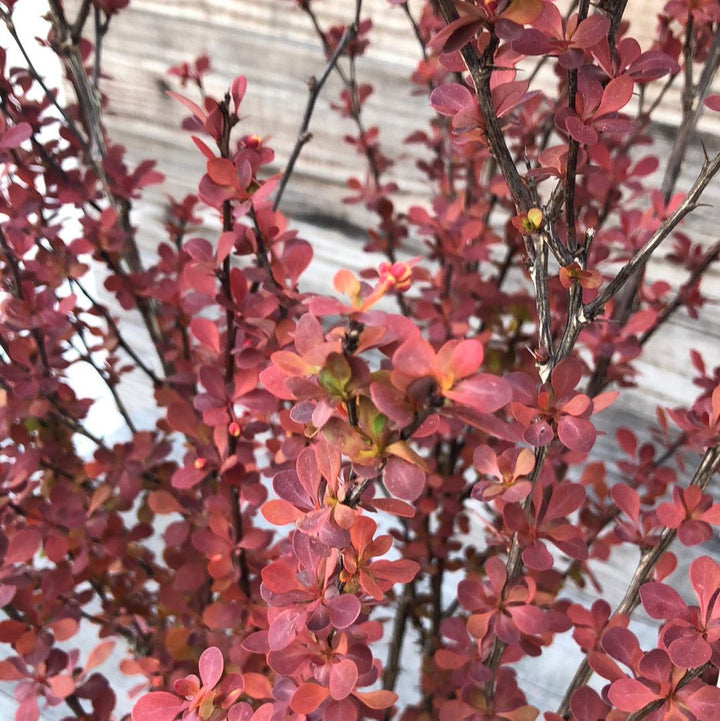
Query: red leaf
{"x": 577, "y": 434}
{"x": 307, "y": 697}
{"x": 705, "y": 579}
{"x": 704, "y": 703}
{"x": 343, "y": 677}
{"x": 591, "y": 31}
{"x": 661, "y": 601}
{"x": 99, "y": 654}
{"x": 157, "y": 706}
{"x": 206, "y": 331}
{"x": 484, "y": 393}
{"x": 377, "y": 699}
{"x": 630, "y": 695}
{"x": 403, "y": 479}
{"x": 713, "y": 102}
{"x": 211, "y": 666}
{"x": 194, "y": 108}
{"x": 616, "y": 95}
{"x": 17, "y": 135}
{"x": 451, "y": 98}
{"x": 22, "y": 545}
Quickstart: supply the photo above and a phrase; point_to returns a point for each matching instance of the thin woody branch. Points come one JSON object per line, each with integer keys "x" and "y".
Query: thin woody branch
{"x": 648, "y": 560}
{"x": 315, "y": 86}
{"x": 642, "y": 255}
{"x": 480, "y": 71}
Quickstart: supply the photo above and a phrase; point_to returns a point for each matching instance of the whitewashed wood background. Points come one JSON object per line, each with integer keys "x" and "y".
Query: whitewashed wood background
{"x": 274, "y": 46}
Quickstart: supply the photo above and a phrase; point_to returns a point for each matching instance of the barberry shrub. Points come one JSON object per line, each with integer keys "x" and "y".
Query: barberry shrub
{"x": 404, "y": 468}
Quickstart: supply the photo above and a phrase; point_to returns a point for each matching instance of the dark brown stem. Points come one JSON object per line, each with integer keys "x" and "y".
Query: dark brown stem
{"x": 480, "y": 71}
{"x": 692, "y": 99}
{"x": 315, "y": 85}
{"x": 708, "y": 259}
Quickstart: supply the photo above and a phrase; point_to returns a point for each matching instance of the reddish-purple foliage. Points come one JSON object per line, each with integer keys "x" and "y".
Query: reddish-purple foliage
{"x": 413, "y": 452}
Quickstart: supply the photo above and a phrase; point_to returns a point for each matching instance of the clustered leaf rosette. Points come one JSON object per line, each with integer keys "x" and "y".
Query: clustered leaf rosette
{"x": 506, "y": 610}
{"x": 556, "y": 408}
{"x": 207, "y": 698}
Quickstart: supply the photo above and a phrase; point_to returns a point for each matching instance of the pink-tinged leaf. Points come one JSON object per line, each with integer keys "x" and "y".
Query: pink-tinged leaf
{"x": 670, "y": 515}
{"x": 485, "y": 461}
{"x": 591, "y": 31}
{"x": 238, "y": 89}
{"x": 538, "y": 434}
{"x": 693, "y": 533}
{"x": 377, "y": 699}
{"x": 211, "y": 666}
{"x": 344, "y": 610}
{"x": 537, "y": 557}
{"x": 565, "y": 376}
{"x": 627, "y": 500}
{"x": 280, "y": 512}
{"x": 661, "y": 601}
{"x": 343, "y": 677}
{"x": 346, "y": 283}
{"x": 467, "y": 356}
{"x": 586, "y": 705}
{"x": 655, "y": 666}
{"x": 393, "y": 506}
{"x": 705, "y": 579}
{"x": 403, "y": 479}
{"x": 455, "y": 35}
{"x": 15, "y": 136}
{"x": 629, "y": 695}
{"x": 652, "y": 65}
{"x": 61, "y": 686}
{"x": 604, "y": 400}
{"x": 22, "y": 545}
{"x": 307, "y": 697}
{"x": 623, "y": 645}
{"x": 157, "y": 706}
{"x": 185, "y": 478}
{"x": 584, "y": 134}
{"x": 713, "y": 102}
{"x": 449, "y": 660}
{"x": 194, "y": 108}
{"x": 450, "y": 99}
{"x": 7, "y": 593}
{"x": 689, "y": 652}
{"x": 402, "y": 571}
{"x": 203, "y": 148}
{"x": 566, "y": 498}
{"x": 9, "y": 672}
{"x": 222, "y": 171}
{"x": 206, "y": 331}
{"x": 617, "y": 95}
{"x": 99, "y": 655}
{"x": 577, "y": 434}
{"x": 529, "y": 619}
{"x": 484, "y": 393}
{"x": 704, "y": 703}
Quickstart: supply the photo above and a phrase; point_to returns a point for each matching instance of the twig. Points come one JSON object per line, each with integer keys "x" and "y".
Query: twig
{"x": 97, "y": 306}
{"x": 480, "y": 70}
{"x": 708, "y": 259}
{"x": 315, "y": 86}
{"x": 648, "y": 559}
{"x": 692, "y": 95}
{"x": 642, "y": 255}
